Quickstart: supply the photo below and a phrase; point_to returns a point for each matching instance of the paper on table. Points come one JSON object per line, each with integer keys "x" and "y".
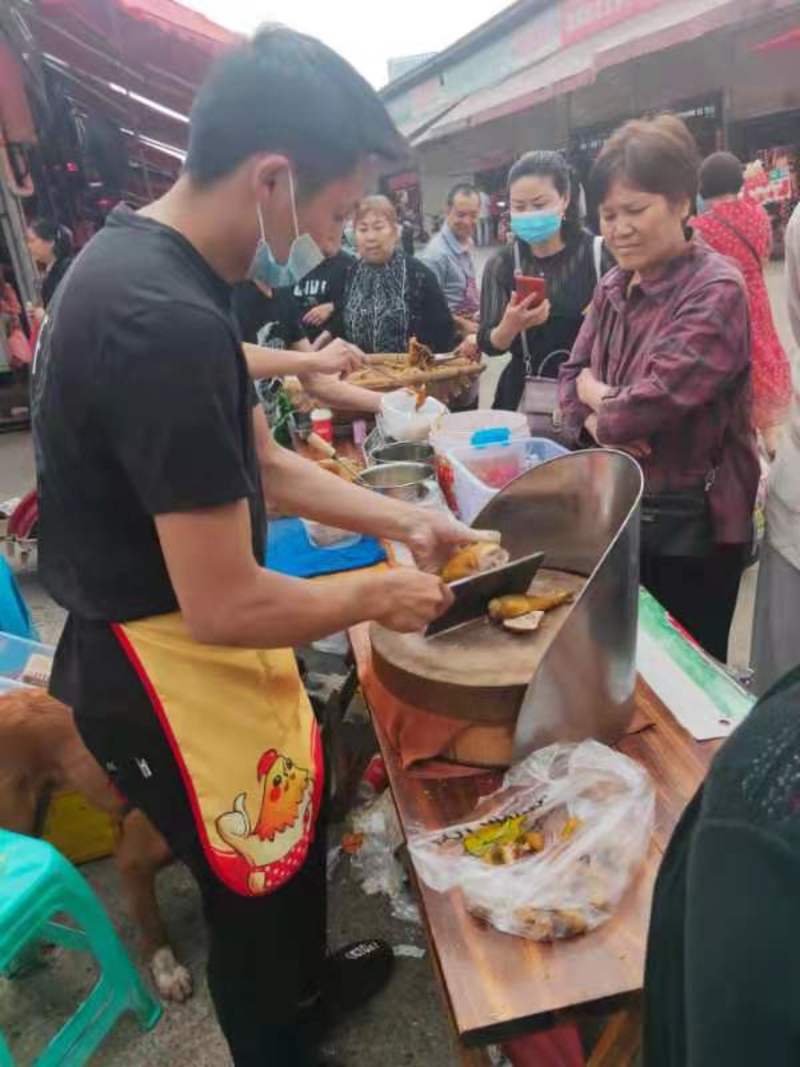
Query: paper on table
{"x": 704, "y": 699}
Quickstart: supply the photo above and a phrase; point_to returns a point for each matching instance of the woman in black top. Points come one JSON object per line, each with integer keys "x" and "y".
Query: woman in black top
{"x": 549, "y": 243}
{"x": 390, "y": 296}
{"x": 50, "y": 246}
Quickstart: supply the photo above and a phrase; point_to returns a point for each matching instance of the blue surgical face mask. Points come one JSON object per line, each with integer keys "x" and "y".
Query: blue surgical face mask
{"x": 701, "y": 204}
{"x": 535, "y": 227}
{"x": 304, "y": 255}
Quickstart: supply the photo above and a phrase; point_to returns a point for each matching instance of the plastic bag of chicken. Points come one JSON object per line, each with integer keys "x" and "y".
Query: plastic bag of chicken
{"x": 551, "y": 853}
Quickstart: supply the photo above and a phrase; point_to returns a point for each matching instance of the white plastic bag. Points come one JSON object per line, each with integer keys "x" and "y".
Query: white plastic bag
{"x": 591, "y": 811}
{"x": 401, "y": 419}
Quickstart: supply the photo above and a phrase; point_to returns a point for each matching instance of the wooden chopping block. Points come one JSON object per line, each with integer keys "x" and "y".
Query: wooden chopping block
{"x": 477, "y": 673}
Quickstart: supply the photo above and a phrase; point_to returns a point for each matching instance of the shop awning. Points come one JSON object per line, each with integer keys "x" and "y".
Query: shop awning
{"x": 137, "y": 63}
{"x": 156, "y": 48}
{"x": 781, "y": 43}
{"x": 577, "y": 65}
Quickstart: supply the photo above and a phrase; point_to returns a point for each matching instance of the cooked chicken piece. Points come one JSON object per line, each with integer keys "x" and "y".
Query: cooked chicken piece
{"x": 510, "y": 607}
{"x": 419, "y": 355}
{"x": 534, "y": 840}
{"x": 546, "y": 925}
{"x": 472, "y": 559}
{"x": 524, "y": 624}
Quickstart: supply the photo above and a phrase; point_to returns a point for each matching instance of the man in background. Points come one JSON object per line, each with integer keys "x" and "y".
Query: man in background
{"x": 449, "y": 255}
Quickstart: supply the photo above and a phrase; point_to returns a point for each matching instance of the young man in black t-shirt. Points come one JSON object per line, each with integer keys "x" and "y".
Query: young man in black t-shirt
{"x": 151, "y": 453}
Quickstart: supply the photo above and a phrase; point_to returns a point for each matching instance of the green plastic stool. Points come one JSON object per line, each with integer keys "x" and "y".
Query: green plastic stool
{"x": 36, "y": 883}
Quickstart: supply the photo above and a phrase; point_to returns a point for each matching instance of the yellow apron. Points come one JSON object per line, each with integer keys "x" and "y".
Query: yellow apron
{"x": 244, "y": 736}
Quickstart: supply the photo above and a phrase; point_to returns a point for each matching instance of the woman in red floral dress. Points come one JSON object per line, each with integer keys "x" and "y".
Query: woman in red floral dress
{"x": 738, "y": 227}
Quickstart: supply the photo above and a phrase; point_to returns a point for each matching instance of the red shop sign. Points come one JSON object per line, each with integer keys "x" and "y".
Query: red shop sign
{"x": 583, "y": 18}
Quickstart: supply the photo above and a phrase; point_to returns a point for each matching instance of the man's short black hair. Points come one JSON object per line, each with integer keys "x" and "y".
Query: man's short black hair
{"x": 462, "y": 189}
{"x": 721, "y": 174}
{"x": 288, "y": 93}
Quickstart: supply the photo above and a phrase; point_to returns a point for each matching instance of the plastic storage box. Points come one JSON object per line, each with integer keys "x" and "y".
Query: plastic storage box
{"x": 28, "y": 662}
{"x": 480, "y": 471}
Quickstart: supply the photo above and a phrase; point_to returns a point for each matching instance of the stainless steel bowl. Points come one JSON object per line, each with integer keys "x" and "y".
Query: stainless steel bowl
{"x": 404, "y": 452}
{"x": 404, "y": 481}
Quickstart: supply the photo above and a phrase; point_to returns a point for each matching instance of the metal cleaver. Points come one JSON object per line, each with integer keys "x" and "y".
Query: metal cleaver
{"x": 472, "y": 595}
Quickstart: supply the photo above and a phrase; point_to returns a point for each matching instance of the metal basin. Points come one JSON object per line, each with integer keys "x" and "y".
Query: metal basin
{"x": 404, "y": 452}
{"x": 403, "y": 481}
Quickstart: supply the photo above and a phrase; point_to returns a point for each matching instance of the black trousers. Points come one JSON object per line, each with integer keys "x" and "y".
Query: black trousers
{"x": 265, "y": 953}
{"x": 701, "y": 593}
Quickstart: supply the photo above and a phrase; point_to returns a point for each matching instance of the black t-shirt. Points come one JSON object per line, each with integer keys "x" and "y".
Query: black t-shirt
{"x": 142, "y": 406}
{"x": 271, "y": 321}
{"x": 324, "y": 285}
{"x": 723, "y": 967}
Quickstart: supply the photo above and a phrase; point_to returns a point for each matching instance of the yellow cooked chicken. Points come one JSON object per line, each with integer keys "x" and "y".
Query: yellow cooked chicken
{"x": 509, "y": 607}
{"x": 472, "y": 559}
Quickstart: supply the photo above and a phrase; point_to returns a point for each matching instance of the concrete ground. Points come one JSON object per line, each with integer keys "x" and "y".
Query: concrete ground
{"x": 405, "y": 1025}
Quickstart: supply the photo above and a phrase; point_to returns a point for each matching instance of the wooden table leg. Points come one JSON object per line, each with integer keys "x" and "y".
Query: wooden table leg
{"x": 621, "y": 1040}
{"x": 473, "y": 1057}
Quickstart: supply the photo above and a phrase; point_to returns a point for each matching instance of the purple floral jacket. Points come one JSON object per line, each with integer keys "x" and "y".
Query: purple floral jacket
{"x": 676, "y": 351}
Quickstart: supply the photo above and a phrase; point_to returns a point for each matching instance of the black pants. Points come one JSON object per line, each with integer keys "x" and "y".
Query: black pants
{"x": 265, "y": 953}
{"x": 700, "y": 593}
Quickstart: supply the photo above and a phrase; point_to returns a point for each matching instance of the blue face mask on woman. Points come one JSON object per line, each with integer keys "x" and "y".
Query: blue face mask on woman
{"x": 535, "y": 227}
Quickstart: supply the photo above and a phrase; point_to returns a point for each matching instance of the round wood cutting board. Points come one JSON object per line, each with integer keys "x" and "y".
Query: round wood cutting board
{"x": 478, "y": 672}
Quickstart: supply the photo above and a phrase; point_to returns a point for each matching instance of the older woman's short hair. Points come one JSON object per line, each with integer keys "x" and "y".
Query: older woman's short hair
{"x": 658, "y": 155}
{"x": 382, "y": 205}
{"x": 721, "y": 174}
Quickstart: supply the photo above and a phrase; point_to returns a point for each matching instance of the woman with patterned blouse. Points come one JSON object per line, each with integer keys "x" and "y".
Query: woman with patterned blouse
{"x": 390, "y": 296}
{"x": 661, "y": 369}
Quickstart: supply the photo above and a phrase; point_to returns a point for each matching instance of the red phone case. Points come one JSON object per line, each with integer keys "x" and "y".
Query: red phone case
{"x": 527, "y": 286}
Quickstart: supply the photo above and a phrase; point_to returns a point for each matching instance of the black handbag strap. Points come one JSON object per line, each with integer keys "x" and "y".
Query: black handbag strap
{"x": 745, "y": 240}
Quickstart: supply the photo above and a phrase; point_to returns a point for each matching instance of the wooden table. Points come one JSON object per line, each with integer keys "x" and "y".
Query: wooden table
{"x": 497, "y": 986}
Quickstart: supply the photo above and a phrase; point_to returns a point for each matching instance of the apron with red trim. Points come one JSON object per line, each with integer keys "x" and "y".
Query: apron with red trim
{"x": 243, "y": 733}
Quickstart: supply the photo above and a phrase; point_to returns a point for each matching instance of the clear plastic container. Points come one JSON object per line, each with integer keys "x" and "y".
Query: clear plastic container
{"x": 322, "y": 536}
{"x": 480, "y": 472}
{"x": 27, "y": 662}
{"x": 456, "y": 430}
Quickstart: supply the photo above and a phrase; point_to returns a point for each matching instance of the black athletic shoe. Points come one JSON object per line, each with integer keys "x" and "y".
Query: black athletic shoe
{"x": 355, "y": 973}
{"x": 351, "y": 977}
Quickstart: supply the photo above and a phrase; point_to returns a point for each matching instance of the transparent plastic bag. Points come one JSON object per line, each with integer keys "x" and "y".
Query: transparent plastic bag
{"x": 550, "y": 854}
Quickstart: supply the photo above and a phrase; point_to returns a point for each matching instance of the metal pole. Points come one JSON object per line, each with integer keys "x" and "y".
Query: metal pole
{"x": 12, "y": 221}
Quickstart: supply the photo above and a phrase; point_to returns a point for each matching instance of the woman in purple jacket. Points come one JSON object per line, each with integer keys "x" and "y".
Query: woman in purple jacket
{"x": 661, "y": 369}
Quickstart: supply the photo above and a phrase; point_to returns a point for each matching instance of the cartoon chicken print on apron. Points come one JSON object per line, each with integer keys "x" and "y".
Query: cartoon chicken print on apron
{"x": 243, "y": 733}
{"x": 273, "y": 846}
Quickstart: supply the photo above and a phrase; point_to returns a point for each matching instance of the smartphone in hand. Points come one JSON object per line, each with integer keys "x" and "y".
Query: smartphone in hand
{"x": 526, "y": 286}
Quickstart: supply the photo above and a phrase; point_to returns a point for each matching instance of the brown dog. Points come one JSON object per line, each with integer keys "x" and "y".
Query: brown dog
{"x": 41, "y": 751}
